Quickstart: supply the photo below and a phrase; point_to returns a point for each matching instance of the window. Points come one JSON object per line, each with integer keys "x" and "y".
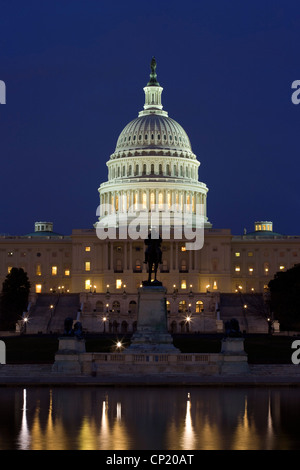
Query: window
{"x": 165, "y": 265}
{"x": 87, "y": 284}
{"x": 237, "y": 254}
{"x": 168, "y": 305}
{"x": 54, "y": 270}
{"x": 87, "y": 248}
{"x": 132, "y": 306}
{"x": 250, "y": 253}
{"x": 183, "y": 248}
{"x": 199, "y": 306}
{"x": 38, "y": 288}
{"x": 87, "y": 266}
{"x": 9, "y": 269}
{"x": 183, "y": 284}
{"x": 182, "y": 306}
{"x": 38, "y": 270}
{"x": 237, "y": 269}
{"x": 119, "y": 265}
{"x": 183, "y": 266}
{"x": 281, "y": 267}
{"x": 118, "y": 283}
{"x": 215, "y": 286}
{"x": 99, "y": 306}
{"x": 116, "y": 306}
{"x": 251, "y": 270}
{"x": 67, "y": 272}
{"x": 138, "y": 266}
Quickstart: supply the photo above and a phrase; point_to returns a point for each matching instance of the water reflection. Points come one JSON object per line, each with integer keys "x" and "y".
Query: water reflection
{"x": 155, "y": 419}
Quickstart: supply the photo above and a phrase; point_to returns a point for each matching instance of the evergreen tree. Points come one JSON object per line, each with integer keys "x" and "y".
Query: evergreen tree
{"x": 14, "y": 298}
{"x": 285, "y": 298}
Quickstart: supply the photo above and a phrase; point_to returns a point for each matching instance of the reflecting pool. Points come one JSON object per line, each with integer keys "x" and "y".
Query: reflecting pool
{"x": 137, "y": 418}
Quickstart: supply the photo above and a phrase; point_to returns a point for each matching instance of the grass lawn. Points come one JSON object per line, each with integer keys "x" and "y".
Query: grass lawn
{"x": 261, "y": 349}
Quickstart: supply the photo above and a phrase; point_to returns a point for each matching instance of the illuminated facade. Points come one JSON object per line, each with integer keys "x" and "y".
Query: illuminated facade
{"x": 153, "y": 165}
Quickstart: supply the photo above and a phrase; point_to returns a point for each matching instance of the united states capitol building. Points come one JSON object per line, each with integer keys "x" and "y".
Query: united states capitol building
{"x": 152, "y": 168}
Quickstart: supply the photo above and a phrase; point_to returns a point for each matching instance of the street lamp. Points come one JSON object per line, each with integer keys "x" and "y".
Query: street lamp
{"x": 25, "y": 323}
{"x": 188, "y": 321}
{"x": 104, "y": 321}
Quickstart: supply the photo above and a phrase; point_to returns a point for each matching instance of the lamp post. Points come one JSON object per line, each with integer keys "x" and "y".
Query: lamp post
{"x": 25, "y": 324}
{"x": 104, "y": 321}
{"x": 188, "y": 321}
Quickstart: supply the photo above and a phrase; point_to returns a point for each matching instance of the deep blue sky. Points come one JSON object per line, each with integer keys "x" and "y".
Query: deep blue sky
{"x": 75, "y": 72}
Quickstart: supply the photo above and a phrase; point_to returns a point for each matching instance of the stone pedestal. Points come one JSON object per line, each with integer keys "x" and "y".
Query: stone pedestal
{"x": 235, "y": 359}
{"x": 152, "y": 331}
{"x": 67, "y": 358}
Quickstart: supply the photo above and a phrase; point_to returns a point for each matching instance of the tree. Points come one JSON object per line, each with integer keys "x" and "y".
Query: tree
{"x": 285, "y": 298}
{"x": 14, "y": 298}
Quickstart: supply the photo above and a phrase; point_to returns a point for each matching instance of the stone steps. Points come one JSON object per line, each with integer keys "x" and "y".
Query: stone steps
{"x": 25, "y": 370}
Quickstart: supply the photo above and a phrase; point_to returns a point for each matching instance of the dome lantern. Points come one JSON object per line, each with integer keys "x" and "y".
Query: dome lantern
{"x": 153, "y": 92}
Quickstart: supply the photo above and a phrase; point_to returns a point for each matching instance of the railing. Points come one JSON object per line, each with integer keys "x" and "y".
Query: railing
{"x": 155, "y": 358}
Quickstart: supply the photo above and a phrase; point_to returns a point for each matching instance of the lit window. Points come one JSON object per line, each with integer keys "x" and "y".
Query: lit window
{"x": 183, "y": 284}
{"x": 199, "y": 306}
{"x": 183, "y": 248}
{"x": 250, "y": 253}
{"x": 237, "y": 269}
{"x": 87, "y": 284}
{"x": 54, "y": 270}
{"x": 281, "y": 268}
{"x": 38, "y": 288}
{"x": 9, "y": 269}
{"x": 67, "y": 272}
{"x": 38, "y": 270}
{"x": 87, "y": 265}
{"x": 237, "y": 254}
{"x": 251, "y": 270}
{"x": 138, "y": 266}
{"x": 87, "y": 248}
{"x": 118, "y": 283}
{"x": 215, "y": 286}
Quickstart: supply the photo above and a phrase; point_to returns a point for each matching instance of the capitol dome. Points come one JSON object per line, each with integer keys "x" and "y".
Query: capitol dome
{"x": 154, "y": 131}
{"x": 153, "y": 163}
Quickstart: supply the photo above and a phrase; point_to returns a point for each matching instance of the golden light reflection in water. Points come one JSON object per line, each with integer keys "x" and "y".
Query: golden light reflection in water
{"x": 204, "y": 420}
{"x": 188, "y": 436}
{"x": 24, "y": 436}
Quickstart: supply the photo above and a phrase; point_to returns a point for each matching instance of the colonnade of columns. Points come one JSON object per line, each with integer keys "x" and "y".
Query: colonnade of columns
{"x": 184, "y": 169}
{"x": 161, "y": 199}
{"x": 129, "y": 258}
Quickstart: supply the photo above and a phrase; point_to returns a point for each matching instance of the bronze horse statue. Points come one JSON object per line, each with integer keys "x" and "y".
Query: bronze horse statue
{"x": 153, "y": 255}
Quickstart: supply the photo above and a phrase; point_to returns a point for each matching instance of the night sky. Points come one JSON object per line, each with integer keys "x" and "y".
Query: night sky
{"x": 75, "y": 71}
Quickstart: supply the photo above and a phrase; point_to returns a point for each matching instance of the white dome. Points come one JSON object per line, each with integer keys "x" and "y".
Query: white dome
{"x": 153, "y": 132}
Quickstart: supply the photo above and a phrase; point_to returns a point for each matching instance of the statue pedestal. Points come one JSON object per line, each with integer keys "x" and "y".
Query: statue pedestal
{"x": 67, "y": 358}
{"x": 152, "y": 331}
{"x": 235, "y": 359}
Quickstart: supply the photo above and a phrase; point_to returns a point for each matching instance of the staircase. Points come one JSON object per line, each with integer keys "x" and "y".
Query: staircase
{"x": 40, "y": 314}
{"x": 43, "y": 319}
{"x": 251, "y": 319}
{"x": 67, "y": 306}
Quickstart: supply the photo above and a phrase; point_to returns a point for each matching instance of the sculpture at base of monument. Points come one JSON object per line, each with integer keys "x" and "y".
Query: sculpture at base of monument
{"x": 153, "y": 257}
{"x": 68, "y": 327}
{"x": 232, "y": 329}
{"x": 70, "y": 331}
